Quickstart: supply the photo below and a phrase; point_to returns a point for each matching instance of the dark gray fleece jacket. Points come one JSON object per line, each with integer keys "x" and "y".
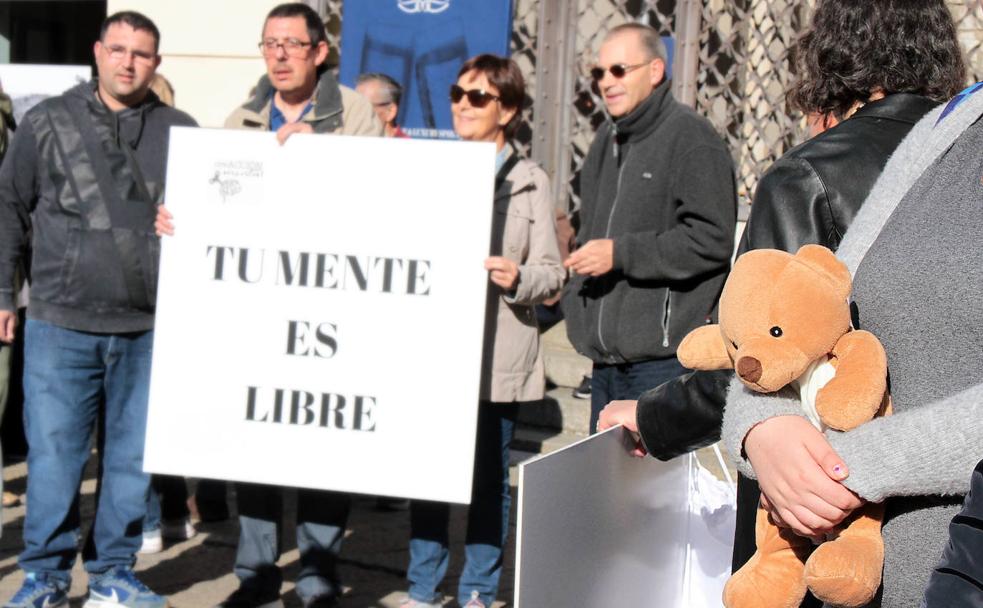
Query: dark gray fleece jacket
{"x": 660, "y": 183}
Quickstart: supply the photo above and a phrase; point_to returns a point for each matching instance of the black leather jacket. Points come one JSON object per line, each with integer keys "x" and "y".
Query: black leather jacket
{"x": 809, "y": 195}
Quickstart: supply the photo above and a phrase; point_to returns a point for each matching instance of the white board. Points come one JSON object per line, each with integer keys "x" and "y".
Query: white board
{"x": 392, "y": 235}
{"x": 27, "y": 84}
{"x": 598, "y": 528}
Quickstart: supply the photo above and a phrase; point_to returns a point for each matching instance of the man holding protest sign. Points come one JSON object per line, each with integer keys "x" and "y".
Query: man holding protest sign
{"x": 85, "y": 170}
{"x": 297, "y": 95}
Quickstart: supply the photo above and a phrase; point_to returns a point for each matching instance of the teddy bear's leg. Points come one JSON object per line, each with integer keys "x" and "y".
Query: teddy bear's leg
{"x": 846, "y": 571}
{"x": 773, "y": 577}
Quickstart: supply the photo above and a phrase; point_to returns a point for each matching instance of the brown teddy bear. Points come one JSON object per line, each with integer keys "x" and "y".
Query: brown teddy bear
{"x": 785, "y": 321}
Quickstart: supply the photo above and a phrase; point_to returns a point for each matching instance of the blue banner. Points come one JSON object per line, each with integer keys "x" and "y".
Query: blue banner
{"x": 422, "y": 45}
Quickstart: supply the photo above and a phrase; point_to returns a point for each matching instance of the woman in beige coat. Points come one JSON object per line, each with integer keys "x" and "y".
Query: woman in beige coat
{"x": 524, "y": 269}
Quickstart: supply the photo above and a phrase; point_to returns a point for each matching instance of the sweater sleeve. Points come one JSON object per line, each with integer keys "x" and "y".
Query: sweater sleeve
{"x": 922, "y": 451}
{"x": 744, "y": 409}
{"x": 18, "y": 197}
{"x": 706, "y": 214}
{"x": 541, "y": 273}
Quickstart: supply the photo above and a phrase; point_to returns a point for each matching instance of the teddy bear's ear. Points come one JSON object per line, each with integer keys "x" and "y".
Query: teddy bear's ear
{"x": 823, "y": 261}
{"x": 704, "y": 348}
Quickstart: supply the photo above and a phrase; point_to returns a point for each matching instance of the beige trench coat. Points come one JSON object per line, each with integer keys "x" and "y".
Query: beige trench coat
{"x": 524, "y": 231}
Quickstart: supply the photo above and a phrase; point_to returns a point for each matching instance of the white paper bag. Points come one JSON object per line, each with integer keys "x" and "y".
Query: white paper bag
{"x": 709, "y": 535}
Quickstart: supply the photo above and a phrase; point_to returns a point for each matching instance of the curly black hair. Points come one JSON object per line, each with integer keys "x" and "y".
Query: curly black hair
{"x": 855, "y": 48}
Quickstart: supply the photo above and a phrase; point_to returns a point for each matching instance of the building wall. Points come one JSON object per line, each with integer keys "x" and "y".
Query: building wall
{"x": 209, "y": 52}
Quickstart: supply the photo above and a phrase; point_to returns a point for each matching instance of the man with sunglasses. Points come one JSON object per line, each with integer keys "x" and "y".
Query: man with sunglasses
{"x": 298, "y": 94}
{"x": 84, "y": 172}
{"x": 658, "y": 211}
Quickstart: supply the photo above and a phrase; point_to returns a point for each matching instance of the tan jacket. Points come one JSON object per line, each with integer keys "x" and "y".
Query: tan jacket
{"x": 337, "y": 109}
{"x": 524, "y": 231}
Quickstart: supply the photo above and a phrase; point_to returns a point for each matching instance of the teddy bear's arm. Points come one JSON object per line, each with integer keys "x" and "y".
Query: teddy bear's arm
{"x": 704, "y": 348}
{"x": 856, "y": 392}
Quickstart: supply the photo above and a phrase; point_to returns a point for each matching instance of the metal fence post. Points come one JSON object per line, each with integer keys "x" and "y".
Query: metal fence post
{"x": 686, "y": 66}
{"x": 555, "y": 73}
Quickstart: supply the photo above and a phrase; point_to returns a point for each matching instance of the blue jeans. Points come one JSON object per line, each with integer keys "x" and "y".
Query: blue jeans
{"x": 488, "y": 518}
{"x": 627, "y": 381}
{"x": 72, "y": 382}
{"x": 321, "y": 519}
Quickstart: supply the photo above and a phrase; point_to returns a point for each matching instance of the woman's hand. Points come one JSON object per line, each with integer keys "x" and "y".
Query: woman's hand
{"x": 163, "y": 224}
{"x": 618, "y": 412}
{"x": 623, "y": 413}
{"x": 799, "y": 475}
{"x": 504, "y": 272}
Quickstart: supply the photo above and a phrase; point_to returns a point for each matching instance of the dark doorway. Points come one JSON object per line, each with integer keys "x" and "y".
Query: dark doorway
{"x": 53, "y": 32}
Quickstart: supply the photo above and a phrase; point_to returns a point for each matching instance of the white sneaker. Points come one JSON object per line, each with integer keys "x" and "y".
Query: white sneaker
{"x": 178, "y": 529}
{"x": 153, "y": 542}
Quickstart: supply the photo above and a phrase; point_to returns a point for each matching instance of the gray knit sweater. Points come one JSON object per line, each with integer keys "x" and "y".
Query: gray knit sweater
{"x": 915, "y": 250}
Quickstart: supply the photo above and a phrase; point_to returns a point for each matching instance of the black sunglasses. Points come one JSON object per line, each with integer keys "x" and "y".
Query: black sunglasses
{"x": 617, "y": 70}
{"x": 478, "y": 98}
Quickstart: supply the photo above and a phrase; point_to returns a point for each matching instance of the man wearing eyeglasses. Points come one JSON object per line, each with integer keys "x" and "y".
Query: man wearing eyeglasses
{"x": 658, "y": 210}
{"x": 85, "y": 171}
{"x": 298, "y": 94}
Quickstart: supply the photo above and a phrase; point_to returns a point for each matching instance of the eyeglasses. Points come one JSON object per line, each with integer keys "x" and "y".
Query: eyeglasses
{"x": 478, "y": 98}
{"x": 291, "y": 46}
{"x": 118, "y": 53}
{"x": 617, "y": 70}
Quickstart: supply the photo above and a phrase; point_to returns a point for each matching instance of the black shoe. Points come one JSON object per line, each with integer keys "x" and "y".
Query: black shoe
{"x": 248, "y": 597}
{"x": 583, "y": 391}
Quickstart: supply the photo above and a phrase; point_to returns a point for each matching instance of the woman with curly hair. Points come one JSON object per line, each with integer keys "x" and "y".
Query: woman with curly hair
{"x": 863, "y": 65}
{"x": 865, "y": 73}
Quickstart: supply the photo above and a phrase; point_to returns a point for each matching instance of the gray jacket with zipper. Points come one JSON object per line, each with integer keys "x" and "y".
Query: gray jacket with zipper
{"x": 86, "y": 181}
{"x": 660, "y": 183}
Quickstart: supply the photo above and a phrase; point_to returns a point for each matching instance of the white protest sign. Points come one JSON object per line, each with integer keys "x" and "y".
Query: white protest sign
{"x": 320, "y": 312}
{"x": 599, "y": 528}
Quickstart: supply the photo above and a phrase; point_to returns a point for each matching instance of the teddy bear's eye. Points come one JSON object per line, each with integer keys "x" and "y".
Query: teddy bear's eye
{"x": 734, "y": 344}
{"x": 776, "y": 331}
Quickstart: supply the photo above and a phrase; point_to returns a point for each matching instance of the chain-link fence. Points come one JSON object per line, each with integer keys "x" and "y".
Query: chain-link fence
{"x": 740, "y": 73}
{"x": 969, "y": 23}
{"x": 743, "y": 77}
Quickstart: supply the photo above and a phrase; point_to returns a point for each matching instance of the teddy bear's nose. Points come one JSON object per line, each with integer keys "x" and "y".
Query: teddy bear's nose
{"x": 749, "y": 369}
